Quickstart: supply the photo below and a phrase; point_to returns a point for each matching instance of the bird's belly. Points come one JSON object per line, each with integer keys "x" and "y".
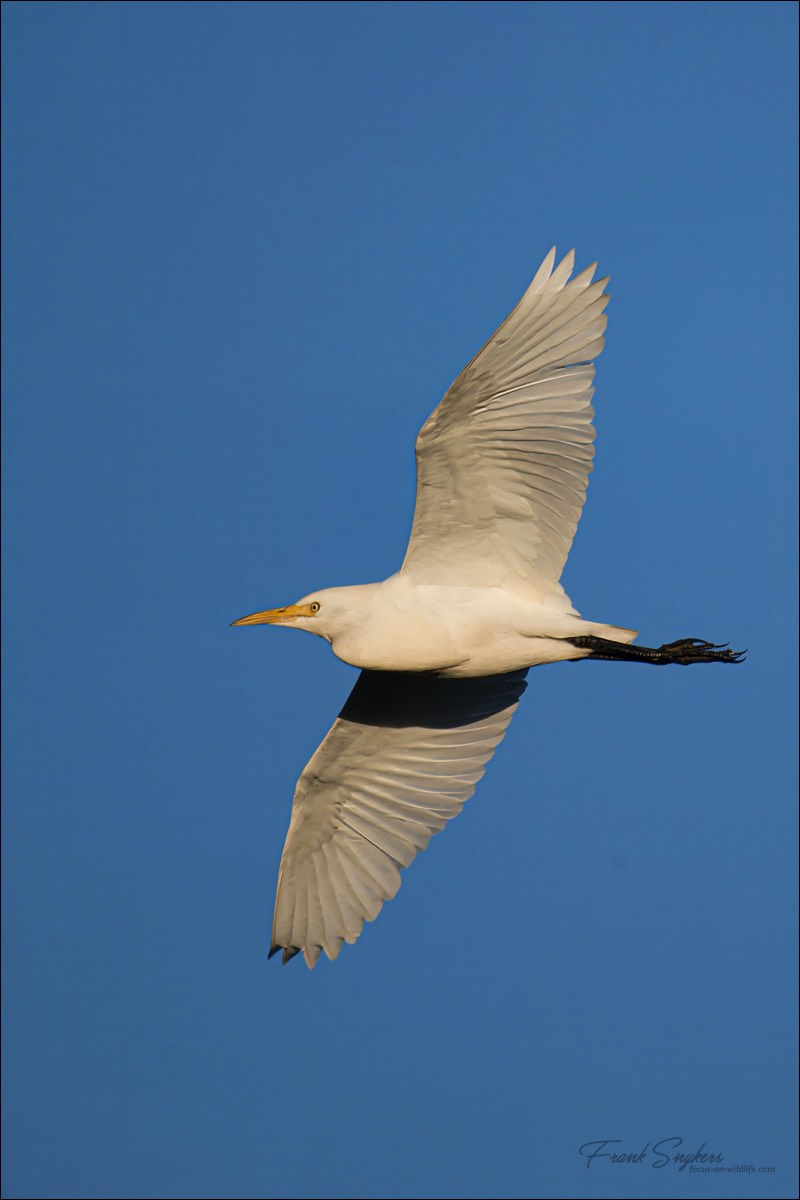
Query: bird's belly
{"x": 492, "y": 655}
{"x": 513, "y": 653}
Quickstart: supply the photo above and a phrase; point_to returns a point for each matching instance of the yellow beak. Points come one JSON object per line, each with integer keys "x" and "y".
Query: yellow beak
{"x": 276, "y": 616}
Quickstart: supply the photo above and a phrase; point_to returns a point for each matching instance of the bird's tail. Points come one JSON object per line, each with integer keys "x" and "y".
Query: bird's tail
{"x": 616, "y": 633}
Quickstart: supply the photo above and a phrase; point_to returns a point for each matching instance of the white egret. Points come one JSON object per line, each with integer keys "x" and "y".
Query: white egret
{"x": 444, "y": 645}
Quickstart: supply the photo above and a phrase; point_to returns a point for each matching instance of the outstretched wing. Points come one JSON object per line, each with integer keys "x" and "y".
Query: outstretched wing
{"x": 400, "y": 760}
{"x": 503, "y": 462}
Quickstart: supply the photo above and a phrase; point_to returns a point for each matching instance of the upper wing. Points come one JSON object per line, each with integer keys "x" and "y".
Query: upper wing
{"x": 401, "y": 758}
{"x": 503, "y": 462}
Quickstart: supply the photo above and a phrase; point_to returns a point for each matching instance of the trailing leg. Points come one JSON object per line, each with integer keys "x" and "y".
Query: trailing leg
{"x": 685, "y": 651}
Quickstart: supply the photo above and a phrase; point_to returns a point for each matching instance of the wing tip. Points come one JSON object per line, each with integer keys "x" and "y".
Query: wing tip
{"x": 542, "y": 276}
{"x": 288, "y": 952}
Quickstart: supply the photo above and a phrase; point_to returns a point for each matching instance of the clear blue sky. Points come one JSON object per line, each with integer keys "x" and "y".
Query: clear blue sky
{"x": 247, "y": 247}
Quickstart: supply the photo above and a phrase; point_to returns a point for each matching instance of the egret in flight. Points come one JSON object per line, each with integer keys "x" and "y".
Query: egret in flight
{"x": 445, "y": 644}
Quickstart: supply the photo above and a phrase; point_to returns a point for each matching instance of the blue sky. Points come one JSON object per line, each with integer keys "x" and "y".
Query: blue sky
{"x": 247, "y": 248}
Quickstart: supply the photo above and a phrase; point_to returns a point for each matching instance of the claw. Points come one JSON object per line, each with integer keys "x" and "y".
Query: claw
{"x": 695, "y": 650}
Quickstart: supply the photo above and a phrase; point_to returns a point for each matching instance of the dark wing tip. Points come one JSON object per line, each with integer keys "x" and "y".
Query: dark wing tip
{"x": 288, "y": 952}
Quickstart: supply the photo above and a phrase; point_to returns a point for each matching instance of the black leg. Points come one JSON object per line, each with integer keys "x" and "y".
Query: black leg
{"x": 685, "y": 651}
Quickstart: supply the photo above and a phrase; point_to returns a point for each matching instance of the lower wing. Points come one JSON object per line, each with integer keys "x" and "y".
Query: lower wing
{"x": 402, "y": 757}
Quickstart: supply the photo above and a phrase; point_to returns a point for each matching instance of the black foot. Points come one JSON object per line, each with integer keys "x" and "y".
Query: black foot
{"x": 692, "y": 650}
{"x": 684, "y": 652}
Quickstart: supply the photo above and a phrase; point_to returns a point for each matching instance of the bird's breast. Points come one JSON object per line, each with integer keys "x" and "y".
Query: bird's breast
{"x": 393, "y": 639}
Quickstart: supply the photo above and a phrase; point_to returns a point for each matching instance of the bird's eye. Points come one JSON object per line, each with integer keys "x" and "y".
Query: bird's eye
{"x": 314, "y": 606}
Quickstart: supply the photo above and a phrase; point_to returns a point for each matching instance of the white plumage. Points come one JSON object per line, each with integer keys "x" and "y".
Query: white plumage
{"x": 444, "y": 645}
{"x": 402, "y": 757}
{"x": 503, "y": 462}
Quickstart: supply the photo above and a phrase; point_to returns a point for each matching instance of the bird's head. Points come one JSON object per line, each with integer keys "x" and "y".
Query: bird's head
{"x": 326, "y": 612}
